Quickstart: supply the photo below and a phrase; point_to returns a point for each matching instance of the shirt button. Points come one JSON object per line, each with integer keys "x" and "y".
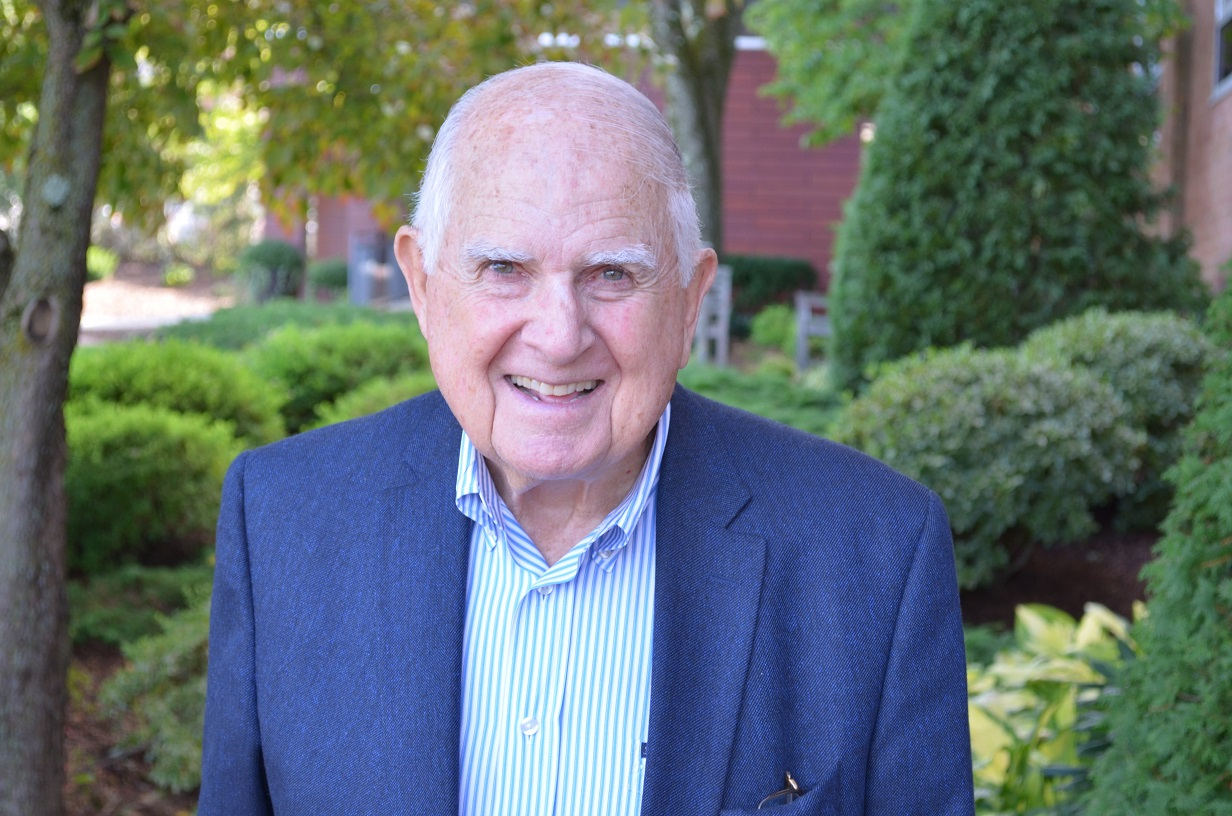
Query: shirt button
{"x": 529, "y": 726}
{"x": 547, "y": 589}
{"x": 606, "y": 554}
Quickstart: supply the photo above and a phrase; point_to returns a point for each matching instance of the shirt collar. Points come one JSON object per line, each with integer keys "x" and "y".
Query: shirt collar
{"x": 476, "y": 496}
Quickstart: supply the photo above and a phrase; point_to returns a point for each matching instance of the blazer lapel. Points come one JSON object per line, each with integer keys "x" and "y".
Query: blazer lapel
{"x": 425, "y": 547}
{"x": 707, "y": 594}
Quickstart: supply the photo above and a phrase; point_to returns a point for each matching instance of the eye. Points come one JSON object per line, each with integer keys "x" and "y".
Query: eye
{"x": 500, "y": 267}
{"x": 612, "y": 274}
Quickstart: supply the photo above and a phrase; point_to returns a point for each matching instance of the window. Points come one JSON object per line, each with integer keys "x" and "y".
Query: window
{"x": 1223, "y": 44}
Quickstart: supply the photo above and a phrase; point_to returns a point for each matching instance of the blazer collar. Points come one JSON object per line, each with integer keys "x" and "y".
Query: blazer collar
{"x": 707, "y": 594}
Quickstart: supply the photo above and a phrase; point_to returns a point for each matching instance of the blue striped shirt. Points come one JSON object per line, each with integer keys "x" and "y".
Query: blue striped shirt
{"x": 556, "y": 660}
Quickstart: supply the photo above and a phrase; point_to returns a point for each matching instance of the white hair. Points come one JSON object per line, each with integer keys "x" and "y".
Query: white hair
{"x": 591, "y": 94}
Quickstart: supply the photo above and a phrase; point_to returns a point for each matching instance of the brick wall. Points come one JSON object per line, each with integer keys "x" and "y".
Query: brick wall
{"x": 779, "y": 198}
{"x": 1197, "y": 142}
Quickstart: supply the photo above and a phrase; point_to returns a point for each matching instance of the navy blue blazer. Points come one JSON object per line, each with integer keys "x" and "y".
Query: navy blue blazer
{"x": 806, "y": 621}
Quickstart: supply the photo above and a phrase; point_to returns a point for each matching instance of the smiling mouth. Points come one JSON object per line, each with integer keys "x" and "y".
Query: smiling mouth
{"x": 541, "y": 390}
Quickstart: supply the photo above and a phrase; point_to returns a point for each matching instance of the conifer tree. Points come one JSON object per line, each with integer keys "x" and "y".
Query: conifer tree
{"x": 1008, "y": 183}
{"x": 1171, "y": 724}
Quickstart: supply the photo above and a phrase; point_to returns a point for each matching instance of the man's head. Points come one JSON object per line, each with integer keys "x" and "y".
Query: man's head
{"x": 556, "y": 270}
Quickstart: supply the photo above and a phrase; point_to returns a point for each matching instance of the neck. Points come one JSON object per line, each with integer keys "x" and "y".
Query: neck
{"x": 557, "y": 514}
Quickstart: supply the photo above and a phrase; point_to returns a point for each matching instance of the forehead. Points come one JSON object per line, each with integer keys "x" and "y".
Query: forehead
{"x": 529, "y": 166}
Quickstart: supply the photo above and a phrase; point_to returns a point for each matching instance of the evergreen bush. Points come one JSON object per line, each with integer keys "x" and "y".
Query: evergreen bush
{"x": 1155, "y": 362}
{"x": 760, "y": 280}
{"x": 316, "y": 366}
{"x": 1020, "y": 449}
{"x": 271, "y": 269}
{"x": 183, "y": 377}
{"x": 143, "y": 485}
{"x": 330, "y": 274}
{"x": 1008, "y": 182}
{"x": 120, "y": 606}
{"x": 159, "y": 697}
{"x": 1171, "y": 726}
{"x": 376, "y": 395}
{"x": 767, "y": 393}
{"x": 775, "y": 327}
{"x": 238, "y": 327}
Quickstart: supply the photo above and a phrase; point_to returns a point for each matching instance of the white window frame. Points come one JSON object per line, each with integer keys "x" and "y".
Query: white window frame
{"x": 1223, "y": 49}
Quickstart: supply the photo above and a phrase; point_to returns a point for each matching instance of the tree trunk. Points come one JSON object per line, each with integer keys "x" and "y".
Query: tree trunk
{"x": 40, "y": 308}
{"x": 699, "y": 38}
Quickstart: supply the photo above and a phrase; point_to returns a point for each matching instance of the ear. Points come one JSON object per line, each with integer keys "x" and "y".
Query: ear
{"x": 703, "y": 276}
{"x": 410, "y": 261}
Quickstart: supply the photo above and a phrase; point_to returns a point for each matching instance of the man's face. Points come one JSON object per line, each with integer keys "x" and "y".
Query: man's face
{"x": 556, "y": 321}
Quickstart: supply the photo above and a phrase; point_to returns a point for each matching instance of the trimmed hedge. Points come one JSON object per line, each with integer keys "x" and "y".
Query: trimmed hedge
{"x": 1171, "y": 727}
{"x": 376, "y": 395}
{"x": 270, "y": 269}
{"x": 1020, "y": 449}
{"x": 768, "y": 393}
{"x": 330, "y": 274}
{"x": 1008, "y": 183}
{"x": 181, "y": 377}
{"x": 1154, "y": 361}
{"x": 143, "y": 485}
{"x": 760, "y": 280}
{"x": 317, "y": 366}
{"x": 238, "y": 327}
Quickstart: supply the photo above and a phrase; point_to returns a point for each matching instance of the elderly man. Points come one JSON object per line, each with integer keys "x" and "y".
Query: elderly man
{"x": 563, "y": 585}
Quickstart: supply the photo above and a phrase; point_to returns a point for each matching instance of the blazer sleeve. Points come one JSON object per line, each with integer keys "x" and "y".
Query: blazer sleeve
{"x": 232, "y": 775}
{"x": 922, "y": 732}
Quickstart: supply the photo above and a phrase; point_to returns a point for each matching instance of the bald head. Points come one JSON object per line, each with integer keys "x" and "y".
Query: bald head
{"x": 565, "y": 106}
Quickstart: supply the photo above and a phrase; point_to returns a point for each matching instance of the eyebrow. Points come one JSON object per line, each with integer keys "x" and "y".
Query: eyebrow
{"x": 478, "y": 251}
{"x": 639, "y": 255}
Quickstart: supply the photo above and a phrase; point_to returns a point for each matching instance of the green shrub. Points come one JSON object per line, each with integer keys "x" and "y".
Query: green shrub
{"x": 271, "y": 269}
{"x": 1171, "y": 730}
{"x": 758, "y": 280}
{"x": 238, "y": 327}
{"x": 330, "y": 274}
{"x": 775, "y": 326}
{"x": 159, "y": 698}
{"x": 772, "y": 395}
{"x": 1008, "y": 183}
{"x": 376, "y": 395}
{"x": 124, "y": 605}
{"x": 316, "y": 366}
{"x": 1154, "y": 361}
{"x": 1035, "y": 724}
{"x": 101, "y": 263}
{"x": 178, "y": 274}
{"x": 181, "y": 377}
{"x": 1020, "y": 449}
{"x": 143, "y": 485}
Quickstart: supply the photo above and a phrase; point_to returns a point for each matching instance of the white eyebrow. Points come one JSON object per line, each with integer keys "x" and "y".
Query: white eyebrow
{"x": 479, "y": 251}
{"x": 639, "y": 255}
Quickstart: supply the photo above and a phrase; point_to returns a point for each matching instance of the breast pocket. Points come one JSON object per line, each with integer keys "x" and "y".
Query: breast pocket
{"x": 821, "y": 799}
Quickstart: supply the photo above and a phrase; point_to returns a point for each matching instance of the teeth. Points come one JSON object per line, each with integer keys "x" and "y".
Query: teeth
{"x": 548, "y": 390}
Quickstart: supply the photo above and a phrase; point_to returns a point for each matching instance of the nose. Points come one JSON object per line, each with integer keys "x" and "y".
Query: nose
{"x": 558, "y": 325}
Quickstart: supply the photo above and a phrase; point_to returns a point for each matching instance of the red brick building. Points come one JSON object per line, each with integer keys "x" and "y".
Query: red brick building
{"x": 1196, "y": 87}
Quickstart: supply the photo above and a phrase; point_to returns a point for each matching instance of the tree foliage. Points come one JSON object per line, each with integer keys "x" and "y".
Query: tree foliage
{"x": 836, "y": 58}
{"x": 1008, "y": 184}
{"x": 1171, "y": 732}
{"x": 349, "y": 94}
